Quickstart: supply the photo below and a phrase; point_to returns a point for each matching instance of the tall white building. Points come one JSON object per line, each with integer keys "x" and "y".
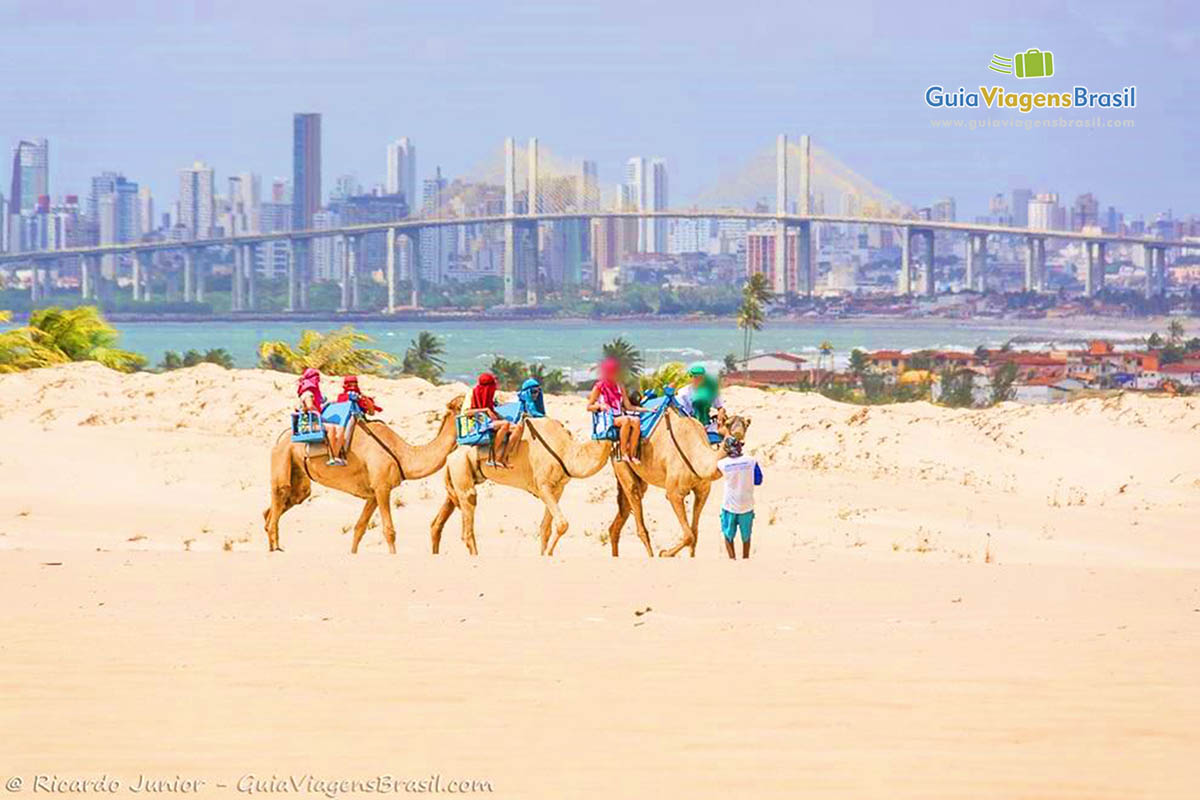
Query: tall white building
{"x": 656, "y": 197}
{"x": 402, "y": 170}
{"x": 197, "y": 207}
{"x": 245, "y": 204}
{"x": 1045, "y": 214}
{"x": 646, "y": 182}
{"x": 145, "y": 210}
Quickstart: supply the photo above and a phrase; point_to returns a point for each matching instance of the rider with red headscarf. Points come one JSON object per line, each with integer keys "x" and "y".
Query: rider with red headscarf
{"x": 505, "y": 434}
{"x": 367, "y": 404}
{"x": 308, "y": 389}
{"x": 609, "y": 395}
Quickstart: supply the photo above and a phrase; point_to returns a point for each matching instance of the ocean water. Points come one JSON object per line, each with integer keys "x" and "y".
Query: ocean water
{"x": 574, "y": 345}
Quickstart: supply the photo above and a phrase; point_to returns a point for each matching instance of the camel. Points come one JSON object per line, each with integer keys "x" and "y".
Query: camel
{"x": 377, "y": 462}
{"x": 677, "y": 457}
{"x": 546, "y": 459}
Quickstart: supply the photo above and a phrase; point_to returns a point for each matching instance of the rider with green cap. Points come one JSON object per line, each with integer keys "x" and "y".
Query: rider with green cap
{"x": 701, "y": 398}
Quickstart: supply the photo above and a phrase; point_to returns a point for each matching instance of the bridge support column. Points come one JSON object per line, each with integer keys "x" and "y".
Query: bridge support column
{"x": 1156, "y": 269}
{"x": 303, "y": 270}
{"x": 236, "y": 281}
{"x": 1093, "y": 279}
{"x": 344, "y": 271}
{"x": 1035, "y": 264}
{"x": 904, "y": 282}
{"x": 144, "y": 264}
{"x": 393, "y": 241}
{"x": 87, "y": 278}
{"x": 977, "y": 255}
{"x": 414, "y": 266}
{"x": 291, "y": 276}
{"x": 780, "y": 282}
{"x": 806, "y": 266}
{"x": 510, "y": 228}
{"x": 251, "y": 277}
{"x": 199, "y": 272}
{"x": 928, "y": 273}
{"x": 136, "y": 275}
{"x": 189, "y": 274}
{"x": 532, "y": 268}
{"x": 352, "y": 258}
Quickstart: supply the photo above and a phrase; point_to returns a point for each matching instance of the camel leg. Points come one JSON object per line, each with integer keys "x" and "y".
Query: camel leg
{"x": 550, "y": 498}
{"x": 699, "y": 498}
{"x": 635, "y": 489}
{"x": 466, "y": 505}
{"x": 677, "y": 504}
{"x": 360, "y": 527}
{"x": 289, "y": 487}
{"x": 383, "y": 499}
{"x": 439, "y": 522}
{"x": 614, "y": 530}
{"x": 544, "y": 529}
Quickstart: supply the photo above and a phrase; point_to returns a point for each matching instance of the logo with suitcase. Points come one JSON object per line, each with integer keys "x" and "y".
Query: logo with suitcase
{"x": 1033, "y": 63}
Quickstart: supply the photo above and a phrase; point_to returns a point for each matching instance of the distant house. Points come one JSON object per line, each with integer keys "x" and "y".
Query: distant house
{"x": 1046, "y": 389}
{"x": 772, "y": 369}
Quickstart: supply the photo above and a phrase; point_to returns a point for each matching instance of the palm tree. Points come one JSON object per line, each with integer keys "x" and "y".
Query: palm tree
{"x": 19, "y": 351}
{"x": 553, "y": 381}
{"x": 424, "y": 357}
{"x": 751, "y": 315}
{"x": 57, "y": 335}
{"x": 673, "y": 374}
{"x": 1175, "y": 331}
{"x": 509, "y": 372}
{"x": 629, "y": 357}
{"x": 335, "y": 353}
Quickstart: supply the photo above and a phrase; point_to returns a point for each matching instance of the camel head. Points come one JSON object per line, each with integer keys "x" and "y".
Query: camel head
{"x": 455, "y": 405}
{"x": 736, "y": 426}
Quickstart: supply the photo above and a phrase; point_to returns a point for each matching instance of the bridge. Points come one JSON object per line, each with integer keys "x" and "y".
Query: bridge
{"x": 793, "y": 239}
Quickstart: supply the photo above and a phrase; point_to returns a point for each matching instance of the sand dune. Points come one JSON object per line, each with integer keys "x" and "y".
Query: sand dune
{"x": 867, "y": 649}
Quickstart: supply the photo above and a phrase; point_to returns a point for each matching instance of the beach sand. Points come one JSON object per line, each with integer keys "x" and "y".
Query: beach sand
{"x": 941, "y": 603}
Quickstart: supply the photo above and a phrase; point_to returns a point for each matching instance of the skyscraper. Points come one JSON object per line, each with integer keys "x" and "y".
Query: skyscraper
{"x": 437, "y": 244}
{"x": 647, "y": 188}
{"x": 589, "y": 189}
{"x": 1020, "y": 207}
{"x": 402, "y": 170}
{"x": 197, "y": 208}
{"x": 656, "y": 197}
{"x": 30, "y": 175}
{"x": 634, "y": 196}
{"x": 245, "y": 204}
{"x": 306, "y": 169}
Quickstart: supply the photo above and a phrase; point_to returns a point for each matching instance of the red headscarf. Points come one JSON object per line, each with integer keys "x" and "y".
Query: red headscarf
{"x": 610, "y": 388}
{"x": 367, "y": 404}
{"x": 310, "y": 381}
{"x": 484, "y": 394}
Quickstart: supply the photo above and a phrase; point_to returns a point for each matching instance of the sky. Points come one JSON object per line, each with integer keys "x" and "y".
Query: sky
{"x": 146, "y": 88}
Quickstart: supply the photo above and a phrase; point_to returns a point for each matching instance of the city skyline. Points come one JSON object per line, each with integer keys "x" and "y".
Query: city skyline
{"x": 701, "y": 107}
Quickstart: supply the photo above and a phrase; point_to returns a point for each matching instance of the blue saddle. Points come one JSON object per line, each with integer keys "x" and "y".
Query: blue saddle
{"x": 306, "y": 427}
{"x": 474, "y": 428}
{"x": 602, "y": 421}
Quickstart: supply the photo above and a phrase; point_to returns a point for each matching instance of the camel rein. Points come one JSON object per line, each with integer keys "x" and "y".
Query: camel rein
{"x": 682, "y": 454}
{"x": 549, "y": 449}
{"x": 366, "y": 427}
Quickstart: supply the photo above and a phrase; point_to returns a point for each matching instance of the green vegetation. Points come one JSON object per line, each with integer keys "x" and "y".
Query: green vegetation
{"x": 752, "y": 314}
{"x": 216, "y": 355}
{"x": 673, "y": 374}
{"x": 510, "y": 374}
{"x": 338, "y": 352}
{"x": 56, "y": 336}
{"x": 424, "y": 357}
{"x": 628, "y": 356}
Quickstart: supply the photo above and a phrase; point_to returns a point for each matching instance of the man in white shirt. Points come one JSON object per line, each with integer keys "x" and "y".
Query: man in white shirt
{"x": 742, "y": 474}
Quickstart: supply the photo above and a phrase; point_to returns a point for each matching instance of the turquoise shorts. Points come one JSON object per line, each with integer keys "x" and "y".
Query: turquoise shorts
{"x": 730, "y": 522}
